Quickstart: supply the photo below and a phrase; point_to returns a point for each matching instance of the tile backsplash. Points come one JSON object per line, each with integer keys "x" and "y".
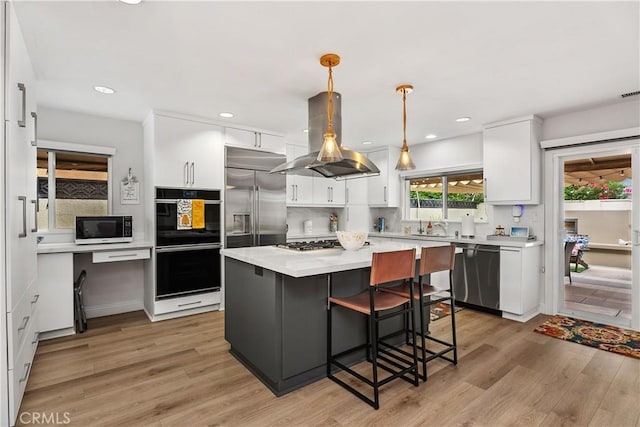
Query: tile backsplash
{"x": 318, "y": 216}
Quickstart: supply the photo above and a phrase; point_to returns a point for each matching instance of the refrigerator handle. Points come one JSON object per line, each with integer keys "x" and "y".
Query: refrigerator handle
{"x": 257, "y": 217}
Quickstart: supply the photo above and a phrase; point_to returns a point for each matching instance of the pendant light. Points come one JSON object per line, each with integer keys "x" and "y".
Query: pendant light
{"x": 330, "y": 151}
{"x": 404, "y": 162}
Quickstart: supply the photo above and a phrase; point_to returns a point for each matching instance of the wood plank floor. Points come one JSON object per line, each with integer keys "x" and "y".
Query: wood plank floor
{"x": 598, "y": 299}
{"x": 126, "y": 371}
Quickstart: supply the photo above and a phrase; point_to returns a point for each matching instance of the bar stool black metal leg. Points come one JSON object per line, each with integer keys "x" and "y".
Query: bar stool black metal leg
{"x": 373, "y": 322}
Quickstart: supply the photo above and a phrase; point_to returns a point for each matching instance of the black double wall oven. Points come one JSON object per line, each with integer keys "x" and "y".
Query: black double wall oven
{"x": 187, "y": 260}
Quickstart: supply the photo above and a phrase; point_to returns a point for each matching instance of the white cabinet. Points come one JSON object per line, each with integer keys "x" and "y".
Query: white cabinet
{"x": 19, "y": 181}
{"x": 299, "y": 187}
{"x": 357, "y": 191}
{"x": 384, "y": 189}
{"x": 254, "y": 140}
{"x": 328, "y": 191}
{"x": 520, "y": 282}
{"x": 512, "y": 162}
{"x": 187, "y": 153}
{"x": 55, "y": 283}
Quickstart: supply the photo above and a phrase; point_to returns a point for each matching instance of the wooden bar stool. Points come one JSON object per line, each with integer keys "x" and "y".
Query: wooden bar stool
{"x": 385, "y": 267}
{"x": 432, "y": 260}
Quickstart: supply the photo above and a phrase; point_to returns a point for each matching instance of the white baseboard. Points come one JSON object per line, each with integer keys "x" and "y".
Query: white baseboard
{"x": 182, "y": 313}
{"x": 520, "y": 318}
{"x": 56, "y": 334}
{"x": 117, "y": 308}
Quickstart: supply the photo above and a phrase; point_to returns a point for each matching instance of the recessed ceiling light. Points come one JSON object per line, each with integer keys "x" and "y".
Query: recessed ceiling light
{"x": 131, "y": 1}
{"x": 431, "y": 136}
{"x": 367, "y": 142}
{"x": 305, "y": 130}
{"x": 226, "y": 115}
{"x": 104, "y": 89}
{"x": 463, "y": 119}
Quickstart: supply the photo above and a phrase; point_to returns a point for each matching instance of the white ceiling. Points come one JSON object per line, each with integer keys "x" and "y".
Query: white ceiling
{"x": 260, "y": 60}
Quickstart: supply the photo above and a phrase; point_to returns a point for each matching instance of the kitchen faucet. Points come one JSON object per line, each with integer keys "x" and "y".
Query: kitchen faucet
{"x": 420, "y": 230}
{"x": 443, "y": 225}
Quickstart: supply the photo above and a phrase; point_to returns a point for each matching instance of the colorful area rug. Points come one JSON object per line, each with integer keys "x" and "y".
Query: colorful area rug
{"x": 440, "y": 310}
{"x": 604, "y": 337}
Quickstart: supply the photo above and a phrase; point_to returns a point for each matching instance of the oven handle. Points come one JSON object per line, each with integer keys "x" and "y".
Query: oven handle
{"x": 184, "y": 248}
{"x": 175, "y": 201}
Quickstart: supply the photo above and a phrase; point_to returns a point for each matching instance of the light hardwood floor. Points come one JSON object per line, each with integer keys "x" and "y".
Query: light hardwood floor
{"x": 126, "y": 371}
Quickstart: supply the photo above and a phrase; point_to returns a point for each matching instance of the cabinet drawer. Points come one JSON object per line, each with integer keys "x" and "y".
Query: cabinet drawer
{"x": 186, "y": 303}
{"x": 19, "y": 375}
{"x": 121, "y": 255}
{"x": 20, "y": 321}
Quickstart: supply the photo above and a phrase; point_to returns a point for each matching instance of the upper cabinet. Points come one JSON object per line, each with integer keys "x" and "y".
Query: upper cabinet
{"x": 254, "y": 140}
{"x": 384, "y": 189}
{"x": 357, "y": 191}
{"x": 186, "y": 153}
{"x": 512, "y": 162}
{"x": 328, "y": 191}
{"x": 299, "y": 187}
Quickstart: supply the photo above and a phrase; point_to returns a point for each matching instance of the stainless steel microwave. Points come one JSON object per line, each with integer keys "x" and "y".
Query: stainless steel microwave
{"x": 104, "y": 229}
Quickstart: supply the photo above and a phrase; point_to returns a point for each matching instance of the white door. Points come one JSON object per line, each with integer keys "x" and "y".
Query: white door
{"x": 606, "y": 287}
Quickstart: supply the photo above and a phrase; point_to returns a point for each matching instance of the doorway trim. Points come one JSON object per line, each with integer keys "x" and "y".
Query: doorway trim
{"x": 554, "y": 157}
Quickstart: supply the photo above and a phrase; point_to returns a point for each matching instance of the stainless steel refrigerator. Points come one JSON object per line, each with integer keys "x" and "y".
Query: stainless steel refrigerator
{"x": 255, "y": 201}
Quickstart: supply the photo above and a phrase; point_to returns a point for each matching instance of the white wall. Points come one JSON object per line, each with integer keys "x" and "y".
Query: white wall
{"x": 111, "y": 287}
{"x": 124, "y": 136}
{"x": 449, "y": 153}
{"x": 622, "y": 115}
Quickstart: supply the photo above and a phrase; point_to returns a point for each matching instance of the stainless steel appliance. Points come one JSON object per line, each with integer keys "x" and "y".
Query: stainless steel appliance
{"x": 255, "y": 201}
{"x": 476, "y": 277}
{"x": 104, "y": 229}
{"x": 187, "y": 260}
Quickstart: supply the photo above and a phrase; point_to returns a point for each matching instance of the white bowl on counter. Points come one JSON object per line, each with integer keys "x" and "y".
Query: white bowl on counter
{"x": 352, "y": 240}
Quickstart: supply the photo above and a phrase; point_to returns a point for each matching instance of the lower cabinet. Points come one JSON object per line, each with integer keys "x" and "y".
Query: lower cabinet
{"x": 520, "y": 281}
{"x": 55, "y": 283}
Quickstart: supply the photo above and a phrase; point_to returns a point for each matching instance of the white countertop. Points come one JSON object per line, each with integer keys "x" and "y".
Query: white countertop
{"x": 477, "y": 240}
{"x": 53, "y": 248}
{"x": 322, "y": 261}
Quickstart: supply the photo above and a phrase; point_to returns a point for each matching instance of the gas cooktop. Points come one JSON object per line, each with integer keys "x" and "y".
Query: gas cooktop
{"x": 312, "y": 245}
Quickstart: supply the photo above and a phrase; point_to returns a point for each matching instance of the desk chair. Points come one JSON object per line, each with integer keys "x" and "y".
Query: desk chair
{"x": 80, "y": 316}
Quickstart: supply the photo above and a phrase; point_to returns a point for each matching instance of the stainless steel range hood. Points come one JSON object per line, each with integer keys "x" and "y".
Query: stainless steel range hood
{"x": 352, "y": 165}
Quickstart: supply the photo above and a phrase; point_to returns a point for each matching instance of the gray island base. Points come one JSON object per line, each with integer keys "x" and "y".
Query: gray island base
{"x": 276, "y": 323}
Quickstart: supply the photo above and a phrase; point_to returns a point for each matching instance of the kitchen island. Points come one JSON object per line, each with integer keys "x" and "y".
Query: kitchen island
{"x": 276, "y": 307}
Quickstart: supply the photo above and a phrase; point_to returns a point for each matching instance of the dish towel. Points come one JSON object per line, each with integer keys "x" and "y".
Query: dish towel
{"x": 184, "y": 214}
{"x": 197, "y": 213}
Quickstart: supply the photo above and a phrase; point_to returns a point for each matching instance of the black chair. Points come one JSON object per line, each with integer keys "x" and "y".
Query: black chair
{"x": 432, "y": 260}
{"x": 386, "y": 267}
{"x": 80, "y": 317}
{"x": 568, "y": 249}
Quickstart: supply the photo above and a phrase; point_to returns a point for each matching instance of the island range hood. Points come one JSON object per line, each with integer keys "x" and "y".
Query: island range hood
{"x": 352, "y": 165}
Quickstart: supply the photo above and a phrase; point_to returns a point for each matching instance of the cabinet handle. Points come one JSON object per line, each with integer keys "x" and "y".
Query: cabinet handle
{"x": 35, "y": 129}
{"x": 331, "y": 194}
{"x": 25, "y": 322}
{"x": 193, "y": 173}
{"x": 27, "y": 367}
{"x": 35, "y": 338}
{"x": 485, "y": 189}
{"x": 296, "y": 192}
{"x": 36, "y": 297}
{"x": 22, "y": 88}
{"x": 23, "y": 199}
{"x": 293, "y": 192}
{"x": 385, "y": 194}
{"x": 348, "y": 214}
{"x": 186, "y": 173}
{"x": 35, "y": 216}
{"x": 346, "y": 196}
{"x": 328, "y": 194}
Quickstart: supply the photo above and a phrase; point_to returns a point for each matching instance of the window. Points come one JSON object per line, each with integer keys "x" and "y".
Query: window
{"x": 447, "y": 196}
{"x": 71, "y": 184}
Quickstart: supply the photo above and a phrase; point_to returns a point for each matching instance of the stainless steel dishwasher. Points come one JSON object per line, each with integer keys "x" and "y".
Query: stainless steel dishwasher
{"x": 476, "y": 277}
